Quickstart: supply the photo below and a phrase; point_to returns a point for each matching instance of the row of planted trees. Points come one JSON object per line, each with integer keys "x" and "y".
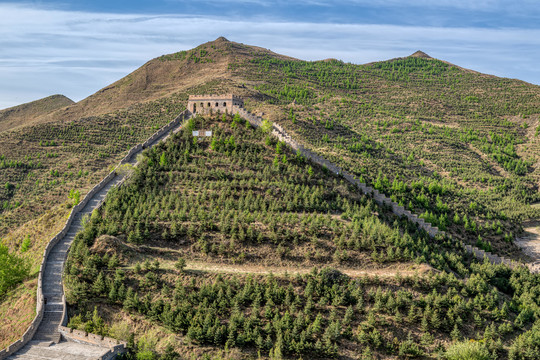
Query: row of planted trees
{"x": 321, "y": 314}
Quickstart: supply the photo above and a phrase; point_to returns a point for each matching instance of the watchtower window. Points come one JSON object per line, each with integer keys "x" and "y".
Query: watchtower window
{"x": 224, "y": 104}
{"x": 208, "y": 104}
{"x": 202, "y": 105}
{"x": 217, "y": 104}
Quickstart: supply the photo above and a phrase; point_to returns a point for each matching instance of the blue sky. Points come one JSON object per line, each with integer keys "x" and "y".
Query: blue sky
{"x": 77, "y": 47}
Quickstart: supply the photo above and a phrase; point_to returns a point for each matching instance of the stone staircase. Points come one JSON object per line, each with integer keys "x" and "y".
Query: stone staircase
{"x": 37, "y": 349}
{"x": 47, "y": 341}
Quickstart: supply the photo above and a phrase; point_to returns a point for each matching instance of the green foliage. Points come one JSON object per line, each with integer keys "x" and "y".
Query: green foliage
{"x": 75, "y": 196}
{"x": 25, "y": 245}
{"x": 381, "y": 118}
{"x": 250, "y": 206}
{"x": 468, "y": 350}
{"x": 180, "y": 264}
{"x": 13, "y": 270}
{"x": 266, "y": 126}
{"x": 41, "y": 173}
{"x": 163, "y": 160}
{"x": 526, "y": 346}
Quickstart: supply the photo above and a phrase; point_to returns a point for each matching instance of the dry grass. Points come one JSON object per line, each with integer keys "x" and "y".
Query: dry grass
{"x": 41, "y": 231}
{"x": 29, "y": 113}
{"x": 17, "y": 312}
{"x": 17, "y": 308}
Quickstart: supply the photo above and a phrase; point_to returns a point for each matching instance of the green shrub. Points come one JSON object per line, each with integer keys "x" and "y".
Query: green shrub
{"x": 13, "y": 269}
{"x": 526, "y": 346}
{"x": 25, "y": 245}
{"x": 467, "y": 350}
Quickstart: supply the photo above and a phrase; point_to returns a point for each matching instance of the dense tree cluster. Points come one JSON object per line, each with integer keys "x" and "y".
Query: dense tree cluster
{"x": 230, "y": 190}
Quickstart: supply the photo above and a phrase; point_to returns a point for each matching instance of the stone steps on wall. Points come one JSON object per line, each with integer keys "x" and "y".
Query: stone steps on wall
{"x": 50, "y": 284}
{"x": 37, "y": 350}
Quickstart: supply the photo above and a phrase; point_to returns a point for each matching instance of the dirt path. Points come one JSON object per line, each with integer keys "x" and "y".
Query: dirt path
{"x": 168, "y": 257}
{"x": 403, "y": 269}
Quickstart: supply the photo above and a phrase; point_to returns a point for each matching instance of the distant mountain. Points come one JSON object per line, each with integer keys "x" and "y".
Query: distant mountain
{"x": 26, "y": 114}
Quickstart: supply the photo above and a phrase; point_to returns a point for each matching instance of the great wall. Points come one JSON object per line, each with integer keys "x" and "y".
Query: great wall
{"x": 47, "y": 337}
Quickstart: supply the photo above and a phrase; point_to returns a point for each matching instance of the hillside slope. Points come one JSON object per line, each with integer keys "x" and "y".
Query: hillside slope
{"x": 27, "y": 114}
{"x": 458, "y": 147}
{"x": 244, "y": 199}
{"x": 164, "y": 76}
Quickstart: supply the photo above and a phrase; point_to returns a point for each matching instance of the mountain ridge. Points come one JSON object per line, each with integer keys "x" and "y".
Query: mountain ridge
{"x": 28, "y": 113}
{"x": 166, "y": 74}
{"x": 456, "y": 148}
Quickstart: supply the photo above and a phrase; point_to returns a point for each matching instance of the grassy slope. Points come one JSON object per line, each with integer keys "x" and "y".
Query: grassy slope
{"x": 462, "y": 143}
{"x": 236, "y": 201}
{"x": 423, "y": 102}
{"x": 26, "y": 114}
{"x": 75, "y": 139}
{"x": 74, "y": 148}
{"x": 17, "y": 309}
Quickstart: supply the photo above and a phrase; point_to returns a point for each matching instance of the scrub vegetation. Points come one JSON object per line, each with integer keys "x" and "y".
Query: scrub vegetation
{"x": 177, "y": 261}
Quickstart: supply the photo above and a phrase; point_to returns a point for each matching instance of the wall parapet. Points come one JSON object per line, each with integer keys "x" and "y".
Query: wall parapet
{"x": 82, "y": 337}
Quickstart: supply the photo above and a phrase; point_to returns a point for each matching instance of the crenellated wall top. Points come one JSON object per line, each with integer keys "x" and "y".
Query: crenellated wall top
{"x": 214, "y": 97}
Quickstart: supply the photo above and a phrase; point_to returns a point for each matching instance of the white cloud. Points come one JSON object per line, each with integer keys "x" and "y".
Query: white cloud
{"x": 46, "y": 51}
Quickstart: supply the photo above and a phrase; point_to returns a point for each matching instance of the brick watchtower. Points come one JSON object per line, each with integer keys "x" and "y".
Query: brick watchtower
{"x": 204, "y": 104}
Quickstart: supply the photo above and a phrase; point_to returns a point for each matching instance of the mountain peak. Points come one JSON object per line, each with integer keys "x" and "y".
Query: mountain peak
{"x": 221, "y": 39}
{"x": 420, "y": 54}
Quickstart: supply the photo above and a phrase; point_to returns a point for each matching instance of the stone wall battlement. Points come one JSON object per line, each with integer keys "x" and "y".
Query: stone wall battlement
{"x": 84, "y": 337}
{"x": 205, "y": 104}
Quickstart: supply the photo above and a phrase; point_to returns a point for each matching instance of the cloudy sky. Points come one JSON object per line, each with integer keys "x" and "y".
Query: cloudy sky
{"x": 76, "y": 47}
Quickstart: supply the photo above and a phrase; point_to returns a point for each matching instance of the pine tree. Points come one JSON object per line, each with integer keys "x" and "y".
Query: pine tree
{"x": 180, "y": 264}
{"x": 113, "y": 293}
{"x": 99, "y": 287}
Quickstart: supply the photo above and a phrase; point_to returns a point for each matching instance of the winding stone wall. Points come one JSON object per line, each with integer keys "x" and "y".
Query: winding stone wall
{"x": 279, "y": 132}
{"x": 40, "y": 303}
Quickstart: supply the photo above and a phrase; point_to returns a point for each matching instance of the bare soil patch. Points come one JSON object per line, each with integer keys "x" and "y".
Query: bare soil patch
{"x": 529, "y": 242}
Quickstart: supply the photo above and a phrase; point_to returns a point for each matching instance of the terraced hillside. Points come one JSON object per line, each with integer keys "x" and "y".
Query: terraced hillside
{"x": 459, "y": 147}
{"x": 242, "y": 200}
